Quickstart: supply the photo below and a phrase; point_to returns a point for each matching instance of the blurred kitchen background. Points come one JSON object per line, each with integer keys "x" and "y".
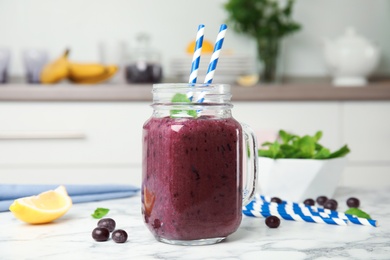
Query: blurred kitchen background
{"x": 83, "y": 25}
{"x": 51, "y": 134}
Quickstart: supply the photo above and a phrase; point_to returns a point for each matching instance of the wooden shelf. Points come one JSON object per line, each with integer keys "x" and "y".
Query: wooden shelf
{"x": 137, "y": 93}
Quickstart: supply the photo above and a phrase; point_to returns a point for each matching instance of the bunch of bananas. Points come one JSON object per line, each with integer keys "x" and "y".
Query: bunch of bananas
{"x": 79, "y": 73}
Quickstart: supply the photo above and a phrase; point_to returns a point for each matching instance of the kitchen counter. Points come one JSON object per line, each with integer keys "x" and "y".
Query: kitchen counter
{"x": 117, "y": 92}
{"x": 70, "y": 237}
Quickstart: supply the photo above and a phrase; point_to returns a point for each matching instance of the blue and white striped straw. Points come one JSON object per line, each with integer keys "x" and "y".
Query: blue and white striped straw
{"x": 295, "y": 217}
{"x": 317, "y": 211}
{"x": 215, "y": 56}
{"x": 214, "y": 59}
{"x": 196, "y": 56}
{"x": 257, "y": 208}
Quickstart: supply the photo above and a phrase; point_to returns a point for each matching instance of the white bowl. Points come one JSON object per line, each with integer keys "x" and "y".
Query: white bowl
{"x": 299, "y": 179}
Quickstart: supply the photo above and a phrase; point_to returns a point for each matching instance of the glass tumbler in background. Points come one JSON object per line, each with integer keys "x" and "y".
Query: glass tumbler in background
{"x": 199, "y": 165}
{"x": 34, "y": 60}
{"x": 5, "y": 55}
{"x": 112, "y": 52}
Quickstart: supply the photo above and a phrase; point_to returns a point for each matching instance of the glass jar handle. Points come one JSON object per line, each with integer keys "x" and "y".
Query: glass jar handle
{"x": 251, "y": 148}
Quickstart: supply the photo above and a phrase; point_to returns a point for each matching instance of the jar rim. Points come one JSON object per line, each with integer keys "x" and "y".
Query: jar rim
{"x": 158, "y": 85}
{"x": 201, "y": 93}
{"x": 191, "y": 86}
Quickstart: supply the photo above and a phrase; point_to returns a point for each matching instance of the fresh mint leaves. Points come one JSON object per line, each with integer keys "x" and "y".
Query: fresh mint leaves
{"x": 294, "y": 146}
{"x": 182, "y": 98}
{"x": 100, "y": 212}
{"x": 358, "y": 213}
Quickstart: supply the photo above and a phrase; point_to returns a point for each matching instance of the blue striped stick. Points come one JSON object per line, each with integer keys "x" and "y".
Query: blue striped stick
{"x": 267, "y": 209}
{"x": 196, "y": 56}
{"x": 215, "y": 56}
{"x": 295, "y": 217}
{"x": 324, "y": 212}
{"x": 349, "y": 217}
{"x": 214, "y": 59}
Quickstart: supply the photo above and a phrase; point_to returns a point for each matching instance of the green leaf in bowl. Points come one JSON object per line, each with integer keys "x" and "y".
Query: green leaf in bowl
{"x": 341, "y": 152}
{"x": 300, "y": 147}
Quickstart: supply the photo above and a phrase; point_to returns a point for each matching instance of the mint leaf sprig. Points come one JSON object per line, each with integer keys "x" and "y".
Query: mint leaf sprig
{"x": 100, "y": 212}
{"x": 181, "y": 98}
{"x": 358, "y": 213}
{"x": 305, "y": 147}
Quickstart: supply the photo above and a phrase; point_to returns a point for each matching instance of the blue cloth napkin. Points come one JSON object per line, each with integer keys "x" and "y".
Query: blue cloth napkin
{"x": 78, "y": 193}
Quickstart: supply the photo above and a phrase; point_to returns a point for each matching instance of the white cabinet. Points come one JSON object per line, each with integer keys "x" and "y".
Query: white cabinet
{"x": 100, "y": 142}
{"x": 363, "y": 125}
{"x": 110, "y": 132}
{"x": 55, "y": 140}
{"x": 366, "y": 129}
{"x": 297, "y": 117}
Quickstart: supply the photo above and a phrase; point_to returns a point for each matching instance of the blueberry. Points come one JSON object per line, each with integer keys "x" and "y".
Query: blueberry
{"x": 309, "y": 202}
{"x": 108, "y": 223}
{"x": 353, "y": 202}
{"x": 276, "y": 199}
{"x": 156, "y": 224}
{"x": 321, "y": 200}
{"x": 272, "y": 221}
{"x": 331, "y": 204}
{"x": 119, "y": 236}
{"x": 101, "y": 234}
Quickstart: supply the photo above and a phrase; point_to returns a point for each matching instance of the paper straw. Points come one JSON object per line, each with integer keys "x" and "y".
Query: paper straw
{"x": 196, "y": 56}
{"x": 214, "y": 59}
{"x": 353, "y": 219}
{"x": 215, "y": 56}
{"x": 296, "y": 217}
{"x": 322, "y": 212}
{"x": 267, "y": 209}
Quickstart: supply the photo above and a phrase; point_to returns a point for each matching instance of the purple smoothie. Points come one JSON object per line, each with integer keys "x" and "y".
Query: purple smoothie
{"x": 192, "y": 177}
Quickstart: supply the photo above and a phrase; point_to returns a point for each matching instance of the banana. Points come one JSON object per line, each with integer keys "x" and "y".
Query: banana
{"x": 56, "y": 70}
{"x": 85, "y": 71}
{"x": 110, "y": 70}
{"x": 80, "y": 73}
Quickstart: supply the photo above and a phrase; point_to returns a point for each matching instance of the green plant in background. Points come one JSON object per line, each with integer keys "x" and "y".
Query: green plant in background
{"x": 305, "y": 147}
{"x": 268, "y": 23}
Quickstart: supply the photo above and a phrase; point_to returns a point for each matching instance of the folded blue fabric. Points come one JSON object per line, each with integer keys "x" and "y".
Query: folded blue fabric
{"x": 78, "y": 193}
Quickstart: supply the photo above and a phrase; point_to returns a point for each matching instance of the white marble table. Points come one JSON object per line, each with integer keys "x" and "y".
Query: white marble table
{"x": 70, "y": 236}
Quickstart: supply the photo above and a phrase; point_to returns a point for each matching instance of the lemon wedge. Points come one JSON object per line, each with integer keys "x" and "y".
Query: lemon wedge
{"x": 43, "y": 208}
{"x": 248, "y": 80}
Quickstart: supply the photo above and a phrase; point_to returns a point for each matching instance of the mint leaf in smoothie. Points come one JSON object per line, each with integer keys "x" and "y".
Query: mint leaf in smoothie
{"x": 358, "y": 213}
{"x": 100, "y": 212}
{"x": 182, "y": 98}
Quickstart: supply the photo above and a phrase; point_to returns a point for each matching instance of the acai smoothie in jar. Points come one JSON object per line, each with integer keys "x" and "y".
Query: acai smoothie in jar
{"x": 194, "y": 151}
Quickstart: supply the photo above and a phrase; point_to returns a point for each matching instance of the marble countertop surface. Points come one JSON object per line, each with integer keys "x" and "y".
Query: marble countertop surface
{"x": 70, "y": 236}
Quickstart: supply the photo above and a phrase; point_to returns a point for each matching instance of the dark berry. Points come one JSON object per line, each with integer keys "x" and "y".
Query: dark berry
{"x": 272, "y": 221}
{"x": 156, "y": 224}
{"x": 309, "y": 202}
{"x": 119, "y": 236}
{"x": 353, "y": 203}
{"x": 100, "y": 234}
{"x": 331, "y": 204}
{"x": 276, "y": 199}
{"x": 108, "y": 223}
{"x": 321, "y": 200}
